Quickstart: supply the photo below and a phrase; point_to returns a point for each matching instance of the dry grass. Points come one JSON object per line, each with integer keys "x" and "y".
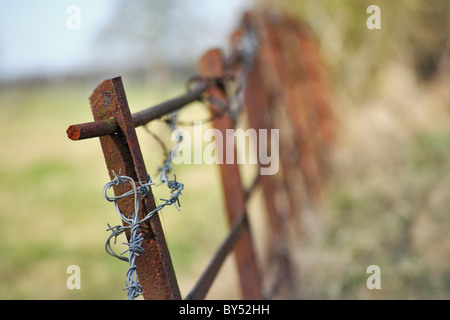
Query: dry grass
{"x": 388, "y": 198}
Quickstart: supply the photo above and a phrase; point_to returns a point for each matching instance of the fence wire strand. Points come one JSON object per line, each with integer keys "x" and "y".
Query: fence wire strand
{"x": 133, "y": 222}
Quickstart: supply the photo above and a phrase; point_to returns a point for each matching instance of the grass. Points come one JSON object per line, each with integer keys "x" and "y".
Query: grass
{"x": 387, "y": 202}
{"x": 404, "y": 232}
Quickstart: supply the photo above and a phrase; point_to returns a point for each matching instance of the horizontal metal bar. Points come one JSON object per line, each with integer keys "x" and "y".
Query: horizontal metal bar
{"x": 109, "y": 126}
{"x": 202, "y": 286}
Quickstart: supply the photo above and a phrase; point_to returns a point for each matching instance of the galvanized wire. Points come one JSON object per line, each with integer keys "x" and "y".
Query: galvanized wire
{"x": 133, "y": 222}
{"x": 135, "y": 239}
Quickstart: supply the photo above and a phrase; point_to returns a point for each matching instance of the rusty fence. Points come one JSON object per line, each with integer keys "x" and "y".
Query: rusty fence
{"x": 278, "y": 82}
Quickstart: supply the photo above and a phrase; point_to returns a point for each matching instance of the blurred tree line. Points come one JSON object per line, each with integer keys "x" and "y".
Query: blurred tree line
{"x": 168, "y": 37}
{"x": 172, "y": 34}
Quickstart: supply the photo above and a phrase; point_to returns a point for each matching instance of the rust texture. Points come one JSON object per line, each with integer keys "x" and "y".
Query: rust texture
{"x": 257, "y": 106}
{"x": 287, "y": 90}
{"x": 122, "y": 154}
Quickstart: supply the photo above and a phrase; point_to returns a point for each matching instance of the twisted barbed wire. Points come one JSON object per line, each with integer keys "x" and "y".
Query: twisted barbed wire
{"x": 133, "y": 222}
{"x": 135, "y": 238}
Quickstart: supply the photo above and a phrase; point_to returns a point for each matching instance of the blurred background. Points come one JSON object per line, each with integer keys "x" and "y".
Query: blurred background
{"x": 388, "y": 197}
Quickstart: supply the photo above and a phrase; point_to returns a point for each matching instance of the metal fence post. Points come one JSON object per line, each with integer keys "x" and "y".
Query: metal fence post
{"x": 123, "y": 154}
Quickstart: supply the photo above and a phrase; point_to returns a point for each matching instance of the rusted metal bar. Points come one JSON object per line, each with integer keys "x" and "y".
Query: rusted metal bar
{"x": 257, "y": 100}
{"x": 300, "y": 108}
{"x": 211, "y": 66}
{"x": 123, "y": 154}
{"x": 203, "y": 285}
{"x": 280, "y": 81}
{"x": 272, "y": 98}
{"x": 259, "y": 118}
{"x": 110, "y": 126}
{"x": 318, "y": 85}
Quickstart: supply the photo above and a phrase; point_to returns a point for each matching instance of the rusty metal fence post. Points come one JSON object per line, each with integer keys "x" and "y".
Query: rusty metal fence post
{"x": 123, "y": 154}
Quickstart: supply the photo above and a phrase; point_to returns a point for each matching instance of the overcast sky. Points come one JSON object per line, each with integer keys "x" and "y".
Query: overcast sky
{"x": 36, "y": 40}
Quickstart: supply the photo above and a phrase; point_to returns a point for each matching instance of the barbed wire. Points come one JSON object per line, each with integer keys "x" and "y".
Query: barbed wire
{"x": 133, "y": 222}
{"x": 135, "y": 237}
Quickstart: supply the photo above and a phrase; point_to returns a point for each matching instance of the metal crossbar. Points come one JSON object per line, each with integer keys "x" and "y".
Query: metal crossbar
{"x": 268, "y": 77}
{"x": 110, "y": 126}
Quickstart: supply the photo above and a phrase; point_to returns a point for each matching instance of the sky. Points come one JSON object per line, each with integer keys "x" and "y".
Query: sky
{"x": 35, "y": 38}
{"x": 42, "y": 38}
